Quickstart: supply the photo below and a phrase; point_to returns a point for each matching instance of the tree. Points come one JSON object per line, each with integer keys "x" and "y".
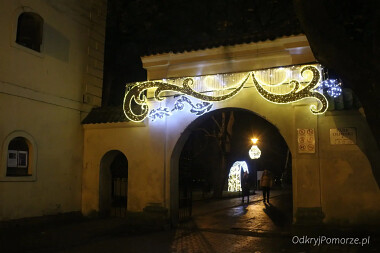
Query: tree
{"x": 222, "y": 133}
{"x": 345, "y": 36}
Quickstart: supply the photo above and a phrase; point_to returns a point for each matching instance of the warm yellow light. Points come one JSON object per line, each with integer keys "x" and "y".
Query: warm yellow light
{"x": 254, "y": 140}
{"x": 296, "y": 93}
{"x": 297, "y": 90}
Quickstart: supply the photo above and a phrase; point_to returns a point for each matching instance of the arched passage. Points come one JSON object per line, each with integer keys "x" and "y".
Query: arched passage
{"x": 113, "y": 184}
{"x": 326, "y": 164}
{"x": 199, "y": 165}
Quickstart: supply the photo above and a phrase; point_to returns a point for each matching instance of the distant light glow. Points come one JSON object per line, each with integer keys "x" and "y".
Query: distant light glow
{"x": 234, "y": 180}
{"x": 254, "y": 140}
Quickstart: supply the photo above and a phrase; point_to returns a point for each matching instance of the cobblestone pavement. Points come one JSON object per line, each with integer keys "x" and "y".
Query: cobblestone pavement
{"x": 254, "y": 217}
{"x": 227, "y": 226}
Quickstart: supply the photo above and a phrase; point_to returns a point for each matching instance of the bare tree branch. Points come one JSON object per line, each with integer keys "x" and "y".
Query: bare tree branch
{"x": 217, "y": 123}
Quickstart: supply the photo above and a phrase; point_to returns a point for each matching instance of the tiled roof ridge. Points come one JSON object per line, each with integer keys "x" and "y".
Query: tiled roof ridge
{"x": 105, "y": 114}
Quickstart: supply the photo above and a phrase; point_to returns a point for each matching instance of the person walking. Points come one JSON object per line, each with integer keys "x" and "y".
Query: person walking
{"x": 266, "y": 183}
{"x": 245, "y": 187}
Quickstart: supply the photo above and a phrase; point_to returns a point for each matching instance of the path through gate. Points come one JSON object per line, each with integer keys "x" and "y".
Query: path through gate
{"x": 185, "y": 189}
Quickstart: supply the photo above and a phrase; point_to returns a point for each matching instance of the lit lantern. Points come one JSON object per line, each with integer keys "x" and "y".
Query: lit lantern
{"x": 254, "y": 152}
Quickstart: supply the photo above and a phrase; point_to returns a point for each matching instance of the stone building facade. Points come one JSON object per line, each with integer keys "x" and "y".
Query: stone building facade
{"x": 51, "y": 72}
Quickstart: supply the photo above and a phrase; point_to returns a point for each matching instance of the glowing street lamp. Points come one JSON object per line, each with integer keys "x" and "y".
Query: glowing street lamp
{"x": 254, "y": 152}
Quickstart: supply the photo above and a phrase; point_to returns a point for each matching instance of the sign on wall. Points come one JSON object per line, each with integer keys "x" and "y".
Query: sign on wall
{"x": 306, "y": 140}
{"x": 343, "y": 136}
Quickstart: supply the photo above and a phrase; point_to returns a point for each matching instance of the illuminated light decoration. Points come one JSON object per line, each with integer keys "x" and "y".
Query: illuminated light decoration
{"x": 224, "y": 87}
{"x": 334, "y": 91}
{"x": 333, "y": 87}
{"x": 254, "y": 152}
{"x": 297, "y": 94}
{"x": 159, "y": 113}
{"x": 234, "y": 179}
{"x": 135, "y": 94}
{"x": 210, "y": 80}
{"x": 197, "y": 109}
{"x": 283, "y": 81}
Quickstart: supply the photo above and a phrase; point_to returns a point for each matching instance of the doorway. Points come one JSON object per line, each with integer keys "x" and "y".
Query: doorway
{"x": 113, "y": 184}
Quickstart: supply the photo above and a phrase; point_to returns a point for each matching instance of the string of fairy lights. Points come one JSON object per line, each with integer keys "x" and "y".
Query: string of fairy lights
{"x": 277, "y": 85}
{"x": 234, "y": 177}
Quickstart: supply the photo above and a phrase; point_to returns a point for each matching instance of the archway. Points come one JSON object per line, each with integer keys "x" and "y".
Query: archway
{"x": 113, "y": 184}
{"x": 197, "y": 162}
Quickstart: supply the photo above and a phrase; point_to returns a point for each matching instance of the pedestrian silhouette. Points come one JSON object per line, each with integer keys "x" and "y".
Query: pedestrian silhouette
{"x": 245, "y": 187}
{"x": 266, "y": 183}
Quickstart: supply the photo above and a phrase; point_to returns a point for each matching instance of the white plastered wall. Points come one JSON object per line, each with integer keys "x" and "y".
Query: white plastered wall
{"x": 41, "y": 96}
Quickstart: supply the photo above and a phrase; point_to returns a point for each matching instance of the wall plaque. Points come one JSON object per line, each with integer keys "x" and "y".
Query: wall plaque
{"x": 343, "y": 135}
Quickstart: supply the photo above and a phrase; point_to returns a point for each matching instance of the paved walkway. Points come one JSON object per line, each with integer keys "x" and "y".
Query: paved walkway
{"x": 217, "y": 227}
{"x": 230, "y": 226}
{"x": 255, "y": 217}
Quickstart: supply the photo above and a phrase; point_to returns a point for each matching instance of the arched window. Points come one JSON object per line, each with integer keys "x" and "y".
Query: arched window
{"x": 29, "y": 30}
{"x": 18, "y": 157}
{"x": 18, "y": 161}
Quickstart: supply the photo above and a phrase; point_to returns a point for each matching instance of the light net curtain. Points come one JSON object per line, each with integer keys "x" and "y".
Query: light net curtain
{"x": 274, "y": 80}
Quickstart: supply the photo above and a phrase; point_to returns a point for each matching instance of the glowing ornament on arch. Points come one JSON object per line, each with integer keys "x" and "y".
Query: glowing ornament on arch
{"x": 135, "y": 93}
{"x": 196, "y": 108}
{"x": 254, "y": 152}
{"x": 225, "y": 87}
{"x": 332, "y": 87}
{"x": 298, "y": 93}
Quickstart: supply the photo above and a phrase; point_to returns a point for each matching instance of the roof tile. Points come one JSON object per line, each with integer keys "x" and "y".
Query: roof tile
{"x": 109, "y": 114}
